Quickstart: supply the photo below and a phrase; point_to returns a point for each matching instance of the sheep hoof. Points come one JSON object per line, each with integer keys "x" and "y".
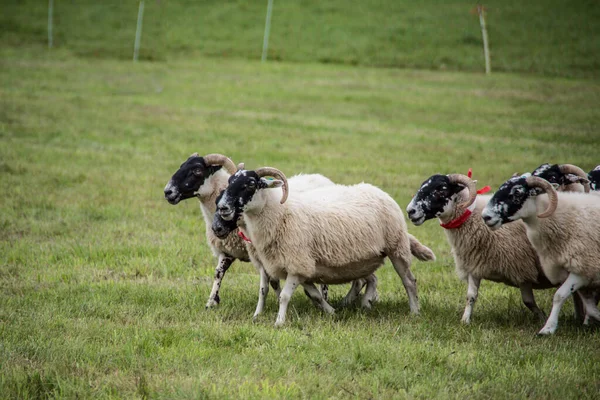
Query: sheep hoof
{"x": 211, "y": 304}
{"x": 279, "y": 324}
{"x": 546, "y": 332}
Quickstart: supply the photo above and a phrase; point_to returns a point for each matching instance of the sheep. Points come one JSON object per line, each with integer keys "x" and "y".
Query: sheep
{"x": 594, "y": 177}
{"x": 503, "y": 256}
{"x": 568, "y": 177}
{"x": 205, "y": 177}
{"x": 564, "y": 229}
{"x": 329, "y": 235}
{"x": 222, "y": 228}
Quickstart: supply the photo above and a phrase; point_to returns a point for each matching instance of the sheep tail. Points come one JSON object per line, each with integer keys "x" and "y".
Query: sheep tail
{"x": 420, "y": 251}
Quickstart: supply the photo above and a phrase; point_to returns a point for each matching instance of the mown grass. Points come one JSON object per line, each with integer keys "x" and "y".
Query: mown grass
{"x": 551, "y": 37}
{"x": 103, "y": 284}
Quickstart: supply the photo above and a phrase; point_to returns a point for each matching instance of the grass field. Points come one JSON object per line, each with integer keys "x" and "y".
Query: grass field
{"x": 550, "y": 37}
{"x": 103, "y": 284}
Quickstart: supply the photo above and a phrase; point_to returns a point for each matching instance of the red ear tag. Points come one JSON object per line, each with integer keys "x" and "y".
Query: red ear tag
{"x": 470, "y": 173}
{"x": 484, "y": 189}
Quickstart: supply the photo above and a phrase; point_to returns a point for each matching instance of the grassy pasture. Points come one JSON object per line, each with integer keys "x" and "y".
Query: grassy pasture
{"x": 103, "y": 284}
{"x": 550, "y": 37}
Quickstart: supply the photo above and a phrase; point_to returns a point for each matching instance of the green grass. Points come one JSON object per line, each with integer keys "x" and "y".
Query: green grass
{"x": 103, "y": 284}
{"x": 550, "y": 37}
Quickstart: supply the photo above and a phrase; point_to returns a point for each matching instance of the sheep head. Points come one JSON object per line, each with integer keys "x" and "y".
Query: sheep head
{"x": 192, "y": 175}
{"x": 515, "y": 200}
{"x": 438, "y": 197}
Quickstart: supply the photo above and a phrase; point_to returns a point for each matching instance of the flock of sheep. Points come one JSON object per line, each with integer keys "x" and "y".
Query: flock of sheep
{"x": 537, "y": 231}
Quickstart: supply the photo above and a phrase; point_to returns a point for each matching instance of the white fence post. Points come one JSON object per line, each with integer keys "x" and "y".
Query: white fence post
{"x": 486, "y": 49}
{"x": 267, "y": 31}
{"x": 50, "y": 13}
{"x": 138, "y": 32}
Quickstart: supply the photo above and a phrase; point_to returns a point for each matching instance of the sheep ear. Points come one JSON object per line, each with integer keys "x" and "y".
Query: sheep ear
{"x": 272, "y": 183}
{"x": 241, "y": 166}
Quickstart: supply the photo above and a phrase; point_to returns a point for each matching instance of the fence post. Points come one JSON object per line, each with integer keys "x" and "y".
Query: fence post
{"x": 138, "y": 32}
{"x": 267, "y": 31}
{"x": 486, "y": 49}
{"x": 50, "y": 13}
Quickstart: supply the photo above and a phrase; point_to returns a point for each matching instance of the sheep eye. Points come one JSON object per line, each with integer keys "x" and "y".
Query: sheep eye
{"x": 197, "y": 172}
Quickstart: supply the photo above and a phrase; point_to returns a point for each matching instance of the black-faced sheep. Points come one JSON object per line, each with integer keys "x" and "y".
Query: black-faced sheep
{"x": 329, "y": 235}
{"x": 564, "y": 229}
{"x": 502, "y": 256}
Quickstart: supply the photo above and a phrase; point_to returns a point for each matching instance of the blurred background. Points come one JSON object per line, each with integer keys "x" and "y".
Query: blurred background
{"x": 549, "y": 37}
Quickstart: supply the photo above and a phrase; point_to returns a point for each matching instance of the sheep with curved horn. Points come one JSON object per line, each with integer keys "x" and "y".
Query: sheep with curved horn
{"x": 332, "y": 235}
{"x": 503, "y": 256}
{"x": 564, "y": 229}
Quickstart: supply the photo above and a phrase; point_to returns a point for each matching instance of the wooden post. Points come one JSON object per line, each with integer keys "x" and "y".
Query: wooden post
{"x": 138, "y": 32}
{"x": 50, "y": 13}
{"x": 486, "y": 49}
{"x": 267, "y": 31}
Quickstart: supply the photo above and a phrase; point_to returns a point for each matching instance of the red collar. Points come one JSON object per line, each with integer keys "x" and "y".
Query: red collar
{"x": 457, "y": 222}
{"x": 244, "y": 237}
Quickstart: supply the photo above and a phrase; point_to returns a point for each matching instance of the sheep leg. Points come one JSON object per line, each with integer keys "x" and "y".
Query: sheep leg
{"x": 579, "y": 308}
{"x": 402, "y": 267}
{"x": 589, "y": 303}
{"x": 529, "y": 300}
{"x": 570, "y": 285}
{"x": 291, "y": 283}
{"x": 313, "y": 293}
{"x": 275, "y": 285}
{"x": 353, "y": 293}
{"x": 325, "y": 292}
{"x": 472, "y": 293}
{"x": 371, "y": 292}
{"x": 262, "y": 291}
{"x": 222, "y": 267}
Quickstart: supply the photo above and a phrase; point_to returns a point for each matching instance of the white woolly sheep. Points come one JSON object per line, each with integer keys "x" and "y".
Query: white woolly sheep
{"x": 329, "y": 235}
{"x": 502, "y": 256}
{"x": 564, "y": 229}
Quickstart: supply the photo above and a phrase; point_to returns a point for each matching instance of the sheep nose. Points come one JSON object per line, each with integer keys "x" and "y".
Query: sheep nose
{"x": 486, "y": 218}
{"x": 168, "y": 192}
{"x": 224, "y": 209}
{"x": 411, "y": 212}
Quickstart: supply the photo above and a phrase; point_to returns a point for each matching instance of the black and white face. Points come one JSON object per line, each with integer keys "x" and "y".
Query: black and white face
{"x": 553, "y": 174}
{"x": 434, "y": 199}
{"x": 188, "y": 180}
{"x": 243, "y": 188}
{"x": 509, "y": 203}
{"x": 221, "y": 227}
{"x": 594, "y": 177}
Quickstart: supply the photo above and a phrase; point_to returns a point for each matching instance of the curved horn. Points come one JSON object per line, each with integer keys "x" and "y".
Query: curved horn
{"x": 269, "y": 171}
{"x": 470, "y": 184}
{"x": 575, "y": 170}
{"x": 534, "y": 181}
{"x": 220, "y": 159}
